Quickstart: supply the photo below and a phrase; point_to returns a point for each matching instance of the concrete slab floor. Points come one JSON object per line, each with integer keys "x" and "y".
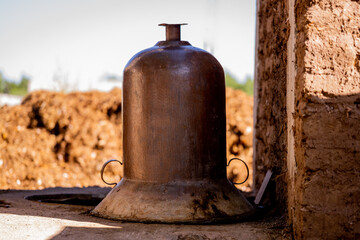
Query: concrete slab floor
{"x": 24, "y": 219}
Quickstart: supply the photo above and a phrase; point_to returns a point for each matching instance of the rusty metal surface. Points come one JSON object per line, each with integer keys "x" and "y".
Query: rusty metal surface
{"x": 174, "y": 115}
{"x": 174, "y": 132}
{"x": 193, "y": 202}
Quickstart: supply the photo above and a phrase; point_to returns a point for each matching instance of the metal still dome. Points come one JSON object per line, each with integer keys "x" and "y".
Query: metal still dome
{"x": 174, "y": 137}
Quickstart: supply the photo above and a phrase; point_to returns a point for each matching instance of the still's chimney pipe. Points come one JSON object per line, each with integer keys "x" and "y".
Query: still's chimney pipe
{"x": 172, "y": 31}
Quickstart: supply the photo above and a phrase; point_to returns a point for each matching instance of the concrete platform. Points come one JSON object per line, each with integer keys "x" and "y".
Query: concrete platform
{"x": 24, "y": 219}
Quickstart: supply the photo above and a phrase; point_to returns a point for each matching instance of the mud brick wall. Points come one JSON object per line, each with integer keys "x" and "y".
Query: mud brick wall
{"x": 270, "y": 106}
{"x": 307, "y": 113}
{"x": 327, "y": 120}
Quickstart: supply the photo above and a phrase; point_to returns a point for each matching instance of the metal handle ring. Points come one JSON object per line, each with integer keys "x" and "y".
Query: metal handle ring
{"x": 247, "y": 169}
{"x": 103, "y": 168}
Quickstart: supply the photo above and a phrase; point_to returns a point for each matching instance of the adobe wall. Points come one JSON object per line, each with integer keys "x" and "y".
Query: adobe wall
{"x": 307, "y": 110}
{"x": 270, "y": 105}
{"x": 327, "y": 120}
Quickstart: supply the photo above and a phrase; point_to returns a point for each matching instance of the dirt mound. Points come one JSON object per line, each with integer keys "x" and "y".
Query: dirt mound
{"x": 55, "y": 139}
{"x": 239, "y": 135}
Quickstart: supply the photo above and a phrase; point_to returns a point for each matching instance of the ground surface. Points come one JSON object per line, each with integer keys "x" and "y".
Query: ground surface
{"x": 55, "y": 139}
{"x": 24, "y": 219}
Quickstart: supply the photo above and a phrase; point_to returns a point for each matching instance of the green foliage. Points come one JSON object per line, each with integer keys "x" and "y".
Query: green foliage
{"x": 247, "y": 86}
{"x": 231, "y": 82}
{"x": 11, "y": 87}
{"x": 2, "y": 83}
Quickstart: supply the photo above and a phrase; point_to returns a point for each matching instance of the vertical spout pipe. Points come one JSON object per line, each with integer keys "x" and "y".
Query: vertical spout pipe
{"x": 172, "y": 31}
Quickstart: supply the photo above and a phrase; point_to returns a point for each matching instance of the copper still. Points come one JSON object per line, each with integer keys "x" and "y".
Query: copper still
{"x": 174, "y": 137}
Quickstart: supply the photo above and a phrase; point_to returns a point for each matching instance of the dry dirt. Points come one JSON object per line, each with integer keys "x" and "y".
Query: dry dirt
{"x": 56, "y": 139}
{"x": 23, "y": 219}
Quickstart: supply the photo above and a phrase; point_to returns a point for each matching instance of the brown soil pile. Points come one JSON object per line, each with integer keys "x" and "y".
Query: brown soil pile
{"x": 55, "y": 139}
{"x": 239, "y": 136}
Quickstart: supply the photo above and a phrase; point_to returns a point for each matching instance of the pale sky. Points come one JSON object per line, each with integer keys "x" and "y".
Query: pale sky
{"x": 77, "y": 42}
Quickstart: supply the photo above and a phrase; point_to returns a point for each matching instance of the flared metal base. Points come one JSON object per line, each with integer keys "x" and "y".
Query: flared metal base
{"x": 174, "y": 202}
